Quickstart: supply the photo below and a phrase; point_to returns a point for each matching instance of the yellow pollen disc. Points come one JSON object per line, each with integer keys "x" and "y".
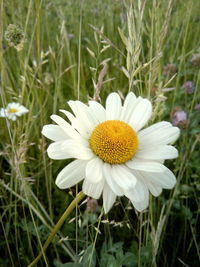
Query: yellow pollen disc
{"x": 12, "y": 110}
{"x": 114, "y": 141}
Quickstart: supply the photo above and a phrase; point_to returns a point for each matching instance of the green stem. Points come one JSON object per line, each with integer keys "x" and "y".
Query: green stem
{"x": 73, "y": 204}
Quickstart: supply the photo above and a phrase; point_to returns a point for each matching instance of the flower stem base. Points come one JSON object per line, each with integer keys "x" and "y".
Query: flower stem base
{"x": 73, "y": 204}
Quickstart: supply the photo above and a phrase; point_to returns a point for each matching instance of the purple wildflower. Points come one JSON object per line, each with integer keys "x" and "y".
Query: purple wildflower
{"x": 189, "y": 87}
{"x": 92, "y": 205}
{"x": 179, "y": 117}
{"x": 169, "y": 70}
{"x": 197, "y": 107}
{"x": 196, "y": 60}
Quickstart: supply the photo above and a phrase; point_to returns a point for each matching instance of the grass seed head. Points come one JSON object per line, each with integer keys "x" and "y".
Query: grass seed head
{"x": 14, "y": 36}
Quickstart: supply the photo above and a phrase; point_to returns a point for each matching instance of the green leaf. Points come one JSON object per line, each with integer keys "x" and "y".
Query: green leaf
{"x": 89, "y": 258}
{"x": 69, "y": 264}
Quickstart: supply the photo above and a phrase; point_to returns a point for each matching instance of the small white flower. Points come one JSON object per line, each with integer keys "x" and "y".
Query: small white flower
{"x": 113, "y": 155}
{"x": 12, "y": 111}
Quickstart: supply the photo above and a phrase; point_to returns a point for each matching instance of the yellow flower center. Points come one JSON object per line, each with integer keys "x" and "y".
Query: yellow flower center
{"x": 114, "y": 141}
{"x": 12, "y": 110}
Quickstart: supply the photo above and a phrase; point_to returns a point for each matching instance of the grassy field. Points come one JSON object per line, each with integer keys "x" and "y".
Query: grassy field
{"x": 149, "y": 47}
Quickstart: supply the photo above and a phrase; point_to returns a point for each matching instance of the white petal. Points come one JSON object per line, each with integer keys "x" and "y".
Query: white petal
{"x": 165, "y": 179}
{"x": 2, "y": 112}
{"x": 123, "y": 177}
{"x": 93, "y": 190}
{"x": 77, "y": 124}
{"x": 68, "y": 114}
{"x": 140, "y": 194}
{"x": 69, "y": 149}
{"x": 157, "y": 152}
{"x": 141, "y": 114}
{"x": 109, "y": 198}
{"x": 128, "y": 107}
{"x": 107, "y": 173}
{"x": 21, "y": 110}
{"x": 161, "y": 133}
{"x": 145, "y": 165}
{"x": 94, "y": 170}
{"x": 55, "y": 152}
{"x": 98, "y": 111}
{"x": 113, "y": 107}
{"x": 154, "y": 189}
{"x": 137, "y": 193}
{"x": 71, "y": 174}
{"x": 13, "y": 105}
{"x": 142, "y": 205}
{"x": 66, "y": 127}
{"x": 77, "y": 149}
{"x": 83, "y": 113}
{"x": 54, "y": 132}
{"x": 13, "y": 117}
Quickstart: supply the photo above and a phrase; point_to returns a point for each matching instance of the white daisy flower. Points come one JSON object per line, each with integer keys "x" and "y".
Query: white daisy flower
{"x": 113, "y": 154}
{"x": 12, "y": 111}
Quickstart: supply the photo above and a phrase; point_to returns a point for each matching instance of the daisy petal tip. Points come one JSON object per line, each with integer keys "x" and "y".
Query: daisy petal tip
{"x": 93, "y": 190}
{"x": 106, "y": 210}
{"x": 113, "y": 94}
{"x": 131, "y": 94}
{"x": 170, "y": 186}
{"x": 172, "y": 183}
{"x": 108, "y": 206}
{"x": 113, "y": 98}
{"x": 140, "y": 206}
{"x": 49, "y": 152}
{"x": 176, "y": 153}
{"x": 59, "y": 181}
{"x": 142, "y": 209}
{"x": 70, "y": 102}
{"x": 176, "y": 134}
{"x": 59, "y": 184}
{"x": 43, "y": 130}
{"x": 53, "y": 117}
{"x": 173, "y": 152}
{"x": 54, "y": 152}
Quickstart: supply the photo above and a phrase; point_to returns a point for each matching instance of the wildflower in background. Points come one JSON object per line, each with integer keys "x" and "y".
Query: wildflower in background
{"x": 179, "y": 117}
{"x": 70, "y": 36}
{"x": 3, "y": 45}
{"x": 95, "y": 12}
{"x": 123, "y": 16}
{"x": 48, "y": 78}
{"x": 195, "y": 60}
{"x": 160, "y": 98}
{"x": 12, "y": 111}
{"x": 92, "y": 205}
{"x": 169, "y": 70}
{"x": 189, "y": 87}
{"x": 113, "y": 155}
{"x": 197, "y": 107}
{"x": 15, "y": 36}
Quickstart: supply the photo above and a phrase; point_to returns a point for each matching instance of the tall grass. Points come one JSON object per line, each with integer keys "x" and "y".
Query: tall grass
{"x": 82, "y": 49}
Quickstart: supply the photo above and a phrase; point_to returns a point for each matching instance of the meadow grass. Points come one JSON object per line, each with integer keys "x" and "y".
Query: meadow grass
{"x": 87, "y": 49}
